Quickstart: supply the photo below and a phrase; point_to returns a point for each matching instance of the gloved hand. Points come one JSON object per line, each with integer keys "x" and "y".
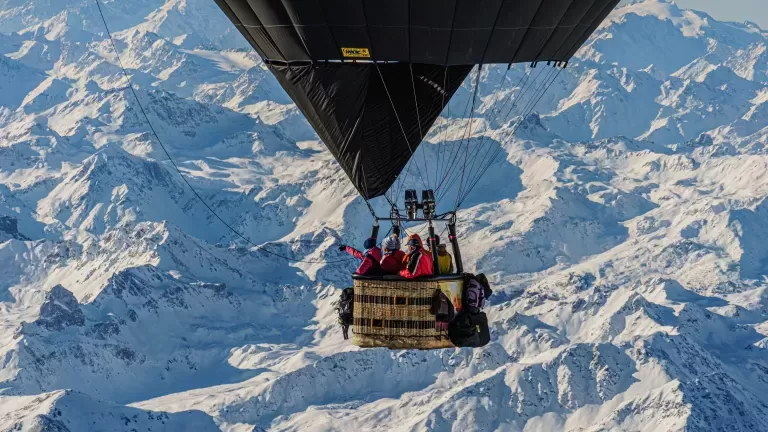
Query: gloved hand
{"x": 342, "y": 248}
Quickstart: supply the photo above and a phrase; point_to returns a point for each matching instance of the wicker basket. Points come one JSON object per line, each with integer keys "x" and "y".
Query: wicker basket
{"x": 394, "y": 313}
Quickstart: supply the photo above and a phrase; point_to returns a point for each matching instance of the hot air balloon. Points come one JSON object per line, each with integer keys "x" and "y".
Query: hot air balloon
{"x": 372, "y": 76}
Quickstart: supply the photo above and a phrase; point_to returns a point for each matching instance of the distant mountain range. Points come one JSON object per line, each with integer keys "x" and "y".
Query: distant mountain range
{"x": 624, "y": 227}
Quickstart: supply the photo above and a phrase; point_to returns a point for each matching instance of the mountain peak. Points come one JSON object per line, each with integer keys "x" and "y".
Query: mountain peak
{"x": 60, "y": 310}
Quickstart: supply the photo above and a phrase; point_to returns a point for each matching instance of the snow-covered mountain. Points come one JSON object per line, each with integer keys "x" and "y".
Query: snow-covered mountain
{"x": 624, "y": 226}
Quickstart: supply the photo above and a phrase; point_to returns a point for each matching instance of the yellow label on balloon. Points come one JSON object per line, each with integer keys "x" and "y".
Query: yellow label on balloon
{"x": 356, "y": 52}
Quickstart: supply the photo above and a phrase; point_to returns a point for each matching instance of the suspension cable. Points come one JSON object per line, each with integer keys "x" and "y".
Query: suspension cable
{"x": 493, "y": 118}
{"x": 402, "y": 129}
{"x": 541, "y": 46}
{"x": 438, "y": 168}
{"x": 365, "y": 193}
{"x": 402, "y": 179}
{"x": 453, "y": 175}
{"x": 457, "y": 145}
{"x": 468, "y": 131}
{"x": 482, "y": 59}
{"x": 527, "y": 85}
{"x": 525, "y": 112}
{"x": 178, "y": 170}
{"x": 418, "y": 121}
{"x": 514, "y": 130}
{"x": 445, "y": 65}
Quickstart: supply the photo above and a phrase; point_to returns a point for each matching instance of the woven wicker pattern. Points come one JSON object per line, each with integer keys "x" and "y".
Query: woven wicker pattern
{"x": 395, "y": 314}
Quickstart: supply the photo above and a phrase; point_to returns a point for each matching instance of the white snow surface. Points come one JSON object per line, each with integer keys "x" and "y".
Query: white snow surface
{"x": 624, "y": 227}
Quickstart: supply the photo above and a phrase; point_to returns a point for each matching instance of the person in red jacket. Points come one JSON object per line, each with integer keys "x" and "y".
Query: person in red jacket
{"x": 421, "y": 245}
{"x": 419, "y": 261}
{"x": 370, "y": 258}
{"x": 392, "y": 262}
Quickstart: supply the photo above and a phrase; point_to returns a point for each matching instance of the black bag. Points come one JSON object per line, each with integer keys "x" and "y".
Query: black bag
{"x": 346, "y": 308}
{"x": 486, "y": 285}
{"x": 476, "y": 291}
{"x": 469, "y": 330}
{"x": 441, "y": 307}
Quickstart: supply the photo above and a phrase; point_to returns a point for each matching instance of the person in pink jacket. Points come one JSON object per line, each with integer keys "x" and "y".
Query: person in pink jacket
{"x": 370, "y": 259}
{"x": 392, "y": 262}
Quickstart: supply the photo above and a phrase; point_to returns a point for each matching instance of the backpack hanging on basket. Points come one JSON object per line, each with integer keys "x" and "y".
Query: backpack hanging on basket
{"x": 346, "y": 308}
{"x": 476, "y": 290}
{"x": 470, "y": 327}
{"x": 469, "y": 330}
{"x": 442, "y": 309}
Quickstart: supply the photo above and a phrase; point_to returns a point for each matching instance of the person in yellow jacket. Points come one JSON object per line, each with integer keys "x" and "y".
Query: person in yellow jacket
{"x": 444, "y": 260}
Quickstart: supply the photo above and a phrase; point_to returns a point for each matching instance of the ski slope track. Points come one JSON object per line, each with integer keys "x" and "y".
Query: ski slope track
{"x": 624, "y": 227}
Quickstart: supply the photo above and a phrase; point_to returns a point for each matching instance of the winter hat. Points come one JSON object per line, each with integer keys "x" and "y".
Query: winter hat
{"x": 415, "y": 236}
{"x": 391, "y": 244}
{"x": 370, "y": 243}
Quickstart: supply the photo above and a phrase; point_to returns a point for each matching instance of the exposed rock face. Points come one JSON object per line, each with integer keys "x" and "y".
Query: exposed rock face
{"x": 9, "y": 228}
{"x": 60, "y": 310}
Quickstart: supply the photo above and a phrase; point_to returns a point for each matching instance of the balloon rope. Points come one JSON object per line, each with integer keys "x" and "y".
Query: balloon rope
{"x": 176, "y": 167}
{"x": 402, "y": 129}
{"x": 452, "y": 176}
{"x": 386, "y": 89}
{"x": 527, "y": 109}
{"x": 490, "y": 120}
{"x": 514, "y": 130}
{"x": 441, "y": 144}
{"x": 527, "y": 85}
{"x": 468, "y": 131}
{"x": 480, "y": 66}
{"x": 418, "y": 120}
{"x": 365, "y": 193}
{"x": 457, "y": 145}
{"x": 445, "y": 73}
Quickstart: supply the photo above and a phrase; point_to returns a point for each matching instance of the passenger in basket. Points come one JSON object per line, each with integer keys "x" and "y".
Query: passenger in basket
{"x": 421, "y": 245}
{"x": 371, "y": 258}
{"x": 419, "y": 261}
{"x": 392, "y": 262}
{"x": 425, "y": 246}
{"x": 444, "y": 260}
